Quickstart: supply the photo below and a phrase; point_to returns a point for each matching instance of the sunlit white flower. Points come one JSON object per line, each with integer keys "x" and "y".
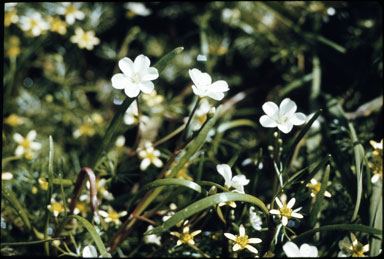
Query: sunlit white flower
{"x": 285, "y": 210}
{"x": 255, "y": 219}
{"x": 152, "y": 239}
{"x": 354, "y": 249}
{"x": 85, "y": 39}
{"x": 242, "y": 241}
{"x": 138, "y": 8}
{"x": 56, "y": 207}
{"x": 149, "y": 156}
{"x": 90, "y": 252}
{"x": 136, "y": 76}
{"x": 237, "y": 182}
{"x": 34, "y": 24}
{"x": 6, "y": 176}
{"x": 283, "y": 117}
{"x": 112, "y": 215}
{"x": 71, "y": 12}
{"x": 26, "y": 145}
{"x": 185, "y": 237}
{"x": 200, "y": 115}
{"x": 292, "y": 250}
{"x": 315, "y": 187}
{"x": 203, "y": 85}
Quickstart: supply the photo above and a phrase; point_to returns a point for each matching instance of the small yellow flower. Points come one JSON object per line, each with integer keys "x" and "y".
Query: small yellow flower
{"x": 285, "y": 210}
{"x": 34, "y": 24}
{"x": 112, "y": 215}
{"x": 377, "y": 161}
{"x": 34, "y": 190}
{"x": 97, "y": 118}
{"x": 85, "y": 39}
{"x": 56, "y": 207}
{"x": 43, "y": 184}
{"x": 57, "y": 25}
{"x": 86, "y": 129}
{"x": 26, "y": 145}
{"x": 71, "y": 12}
{"x": 315, "y": 187}
{"x": 13, "y": 120}
{"x": 228, "y": 203}
{"x": 149, "y": 156}
{"x": 10, "y": 17}
{"x": 13, "y": 49}
{"x": 356, "y": 249}
{"x": 185, "y": 237}
{"x": 82, "y": 207}
{"x": 242, "y": 241}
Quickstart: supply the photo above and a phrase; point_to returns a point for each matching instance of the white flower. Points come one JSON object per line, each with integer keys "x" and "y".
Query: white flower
{"x": 71, "y": 12}
{"x": 203, "y": 85}
{"x": 91, "y": 252}
{"x": 26, "y": 145}
{"x": 149, "y": 156}
{"x": 34, "y": 23}
{"x": 237, "y": 182}
{"x": 138, "y": 8}
{"x": 85, "y": 39}
{"x": 292, "y": 250}
{"x": 242, "y": 241}
{"x": 136, "y": 77}
{"x": 283, "y": 117}
{"x": 255, "y": 219}
{"x": 200, "y": 115}
{"x": 354, "y": 249}
{"x": 112, "y": 215}
{"x": 286, "y": 211}
{"x": 152, "y": 239}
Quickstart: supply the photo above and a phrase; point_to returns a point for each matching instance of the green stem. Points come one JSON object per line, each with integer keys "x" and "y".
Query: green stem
{"x": 138, "y": 135}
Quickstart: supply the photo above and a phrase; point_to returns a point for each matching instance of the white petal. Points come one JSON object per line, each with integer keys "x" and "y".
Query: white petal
{"x": 285, "y": 128}
{"x": 270, "y": 108}
{"x": 18, "y": 138}
{"x": 157, "y": 162}
{"x": 200, "y": 78}
{"x": 89, "y": 251}
{"x": 215, "y": 95}
{"x": 198, "y": 91}
{"x": 236, "y": 247}
{"x": 141, "y": 64}
{"x": 151, "y": 74}
{"x": 241, "y": 230}
{"x": 308, "y": 251}
{"x": 19, "y": 151}
{"x": 144, "y": 164}
{"x": 132, "y": 90}
{"x": 252, "y": 249}
{"x": 297, "y": 118}
{"x": 291, "y": 203}
{"x": 147, "y": 87}
{"x": 254, "y": 240}
{"x": 297, "y": 215}
{"x": 219, "y": 86}
{"x": 278, "y": 202}
{"x": 239, "y": 180}
{"x": 226, "y": 172}
{"x": 103, "y": 213}
{"x": 291, "y": 249}
{"x": 126, "y": 66}
{"x": 277, "y": 212}
{"x": 267, "y": 122}
{"x": 31, "y": 135}
{"x": 287, "y": 106}
{"x": 120, "y": 81}
{"x": 375, "y": 178}
{"x": 230, "y": 236}
{"x": 35, "y": 146}
{"x": 284, "y": 221}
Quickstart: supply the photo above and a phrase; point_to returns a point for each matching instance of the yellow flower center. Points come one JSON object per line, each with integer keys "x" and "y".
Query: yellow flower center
{"x": 34, "y": 23}
{"x": 113, "y": 215}
{"x": 285, "y": 211}
{"x": 315, "y": 187}
{"x": 186, "y": 237}
{"x": 358, "y": 250}
{"x": 25, "y": 143}
{"x": 57, "y": 207}
{"x": 242, "y": 241}
{"x": 70, "y": 10}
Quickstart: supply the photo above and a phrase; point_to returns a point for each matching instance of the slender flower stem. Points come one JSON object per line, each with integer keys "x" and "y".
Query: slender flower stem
{"x": 188, "y": 122}
{"x": 169, "y": 136}
{"x": 138, "y": 135}
{"x": 198, "y": 250}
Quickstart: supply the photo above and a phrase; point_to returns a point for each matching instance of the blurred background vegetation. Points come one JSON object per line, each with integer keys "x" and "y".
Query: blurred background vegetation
{"x": 318, "y": 53}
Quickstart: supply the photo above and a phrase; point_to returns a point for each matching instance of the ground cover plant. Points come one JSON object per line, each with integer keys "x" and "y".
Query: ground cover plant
{"x": 192, "y": 129}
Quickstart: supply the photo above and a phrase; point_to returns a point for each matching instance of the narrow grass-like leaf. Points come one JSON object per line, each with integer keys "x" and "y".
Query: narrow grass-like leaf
{"x": 319, "y": 198}
{"x": 90, "y": 228}
{"x": 236, "y": 123}
{"x": 58, "y": 181}
{"x": 11, "y": 198}
{"x": 209, "y": 183}
{"x": 28, "y": 242}
{"x": 206, "y": 203}
{"x": 376, "y": 218}
{"x": 295, "y": 84}
{"x": 338, "y": 227}
{"x": 49, "y": 192}
{"x": 316, "y": 82}
{"x": 162, "y": 63}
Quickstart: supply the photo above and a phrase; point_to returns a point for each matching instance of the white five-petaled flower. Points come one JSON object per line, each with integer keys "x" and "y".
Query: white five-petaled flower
{"x": 85, "y": 39}
{"x": 185, "y": 237}
{"x": 283, "y": 117}
{"x": 292, "y": 250}
{"x": 90, "y": 251}
{"x": 152, "y": 239}
{"x": 71, "y": 12}
{"x": 285, "y": 211}
{"x": 26, "y": 145}
{"x": 255, "y": 219}
{"x": 136, "y": 76}
{"x": 242, "y": 241}
{"x": 149, "y": 156}
{"x": 237, "y": 182}
{"x": 34, "y": 24}
{"x": 203, "y": 85}
{"x": 112, "y": 215}
{"x": 138, "y": 8}
{"x": 354, "y": 249}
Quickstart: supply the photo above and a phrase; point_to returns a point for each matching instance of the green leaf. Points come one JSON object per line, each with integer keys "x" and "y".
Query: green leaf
{"x": 162, "y": 63}
{"x": 11, "y": 198}
{"x": 90, "y": 228}
{"x": 28, "y": 242}
{"x": 319, "y": 198}
{"x": 235, "y": 123}
{"x": 338, "y": 227}
{"x": 206, "y": 203}
{"x": 209, "y": 183}
{"x": 295, "y": 84}
{"x": 49, "y": 192}
{"x": 376, "y": 218}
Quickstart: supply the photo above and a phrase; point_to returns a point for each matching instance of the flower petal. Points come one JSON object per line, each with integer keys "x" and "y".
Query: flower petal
{"x": 278, "y": 202}
{"x": 218, "y": 96}
{"x": 18, "y": 138}
{"x": 273, "y": 211}
{"x": 284, "y": 220}
{"x": 120, "y": 81}
{"x": 285, "y": 128}
{"x": 236, "y": 247}
{"x": 157, "y": 162}
{"x": 31, "y": 135}
{"x": 219, "y": 86}
{"x": 297, "y": 215}
{"x": 241, "y": 230}
{"x": 141, "y": 64}
{"x": 254, "y": 240}
{"x": 126, "y": 66}
{"x": 226, "y": 172}
{"x": 144, "y": 164}
{"x": 267, "y": 122}
{"x": 291, "y": 249}
{"x": 19, "y": 151}
{"x": 291, "y": 203}
{"x": 147, "y": 87}
{"x": 89, "y": 251}
{"x": 200, "y": 78}
{"x": 252, "y": 249}
{"x": 230, "y": 236}
{"x": 287, "y": 106}
{"x": 298, "y": 118}
{"x": 270, "y": 108}
{"x": 308, "y": 251}
{"x": 132, "y": 90}
{"x": 198, "y": 91}
{"x": 35, "y": 146}
{"x": 150, "y": 74}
